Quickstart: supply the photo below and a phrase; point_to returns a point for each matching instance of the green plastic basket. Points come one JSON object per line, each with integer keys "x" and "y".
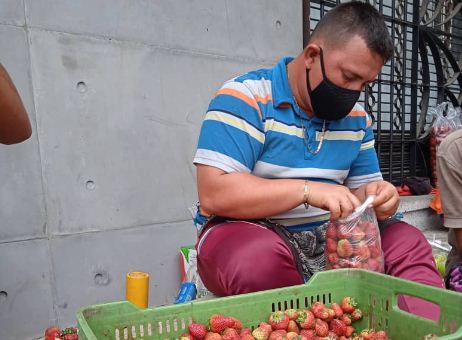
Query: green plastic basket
{"x": 375, "y": 293}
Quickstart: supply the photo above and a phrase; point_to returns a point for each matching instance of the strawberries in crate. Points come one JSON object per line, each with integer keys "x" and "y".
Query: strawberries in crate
{"x": 318, "y": 321}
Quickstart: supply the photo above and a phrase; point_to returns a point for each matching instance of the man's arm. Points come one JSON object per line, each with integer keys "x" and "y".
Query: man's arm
{"x": 243, "y": 195}
{"x": 14, "y": 123}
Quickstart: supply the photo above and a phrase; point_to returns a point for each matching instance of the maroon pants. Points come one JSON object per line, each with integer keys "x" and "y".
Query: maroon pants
{"x": 242, "y": 257}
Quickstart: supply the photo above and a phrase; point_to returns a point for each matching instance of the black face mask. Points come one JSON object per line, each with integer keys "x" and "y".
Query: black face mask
{"x": 329, "y": 101}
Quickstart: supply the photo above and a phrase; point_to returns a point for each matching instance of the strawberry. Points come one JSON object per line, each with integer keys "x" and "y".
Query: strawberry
{"x": 247, "y": 337}
{"x": 330, "y": 313}
{"x": 70, "y": 333}
{"x": 319, "y": 310}
{"x": 370, "y": 229}
{"x": 374, "y": 249}
{"x": 245, "y": 331}
{"x": 278, "y": 320}
{"x": 52, "y": 332}
{"x": 361, "y": 251}
{"x": 186, "y": 336}
{"x": 279, "y": 334}
{"x": 321, "y": 328}
{"x": 343, "y": 337}
{"x": 292, "y": 327}
{"x": 218, "y": 323}
{"x": 331, "y": 336}
{"x": 309, "y": 334}
{"x": 237, "y": 324}
{"x": 265, "y": 326}
{"x": 305, "y": 319}
{"x": 292, "y": 335}
{"x": 357, "y": 314}
{"x": 338, "y": 327}
{"x": 292, "y": 314}
{"x": 332, "y": 258}
{"x": 261, "y": 332}
{"x": 331, "y": 231}
{"x": 357, "y": 234}
{"x": 213, "y": 336}
{"x": 344, "y": 248}
{"x": 373, "y": 265}
{"x": 230, "y": 334}
{"x": 197, "y": 330}
{"x": 75, "y": 336}
{"x": 338, "y": 311}
{"x": 367, "y": 334}
{"x": 349, "y": 331}
{"x": 343, "y": 231}
{"x": 348, "y": 304}
{"x": 346, "y": 319}
{"x": 380, "y": 335}
{"x": 331, "y": 246}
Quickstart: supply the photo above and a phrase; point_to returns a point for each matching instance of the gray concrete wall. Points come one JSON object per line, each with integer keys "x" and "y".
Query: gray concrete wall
{"x": 116, "y": 91}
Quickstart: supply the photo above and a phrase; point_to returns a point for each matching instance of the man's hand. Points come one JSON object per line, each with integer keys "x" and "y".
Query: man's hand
{"x": 337, "y": 199}
{"x": 386, "y": 198}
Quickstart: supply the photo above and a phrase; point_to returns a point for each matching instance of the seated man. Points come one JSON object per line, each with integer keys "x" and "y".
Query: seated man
{"x": 290, "y": 146}
{"x": 449, "y": 162}
{"x": 14, "y": 122}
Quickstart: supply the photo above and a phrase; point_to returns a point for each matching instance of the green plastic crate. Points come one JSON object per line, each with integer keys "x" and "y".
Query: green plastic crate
{"x": 375, "y": 293}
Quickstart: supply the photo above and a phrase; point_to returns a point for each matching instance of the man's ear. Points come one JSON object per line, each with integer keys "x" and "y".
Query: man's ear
{"x": 310, "y": 53}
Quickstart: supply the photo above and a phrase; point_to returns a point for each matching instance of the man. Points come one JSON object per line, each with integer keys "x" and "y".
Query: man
{"x": 289, "y": 146}
{"x": 14, "y": 123}
{"x": 449, "y": 167}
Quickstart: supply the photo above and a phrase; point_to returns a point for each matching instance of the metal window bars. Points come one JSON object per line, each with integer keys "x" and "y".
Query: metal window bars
{"x": 425, "y": 70}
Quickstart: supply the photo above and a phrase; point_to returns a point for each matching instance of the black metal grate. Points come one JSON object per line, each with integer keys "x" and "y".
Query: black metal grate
{"x": 422, "y": 73}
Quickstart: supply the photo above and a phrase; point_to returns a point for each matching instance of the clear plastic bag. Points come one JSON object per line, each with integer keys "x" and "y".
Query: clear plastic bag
{"x": 446, "y": 120}
{"x": 354, "y": 242}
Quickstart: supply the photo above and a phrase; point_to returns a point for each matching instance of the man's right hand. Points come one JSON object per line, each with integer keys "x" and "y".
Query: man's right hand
{"x": 337, "y": 199}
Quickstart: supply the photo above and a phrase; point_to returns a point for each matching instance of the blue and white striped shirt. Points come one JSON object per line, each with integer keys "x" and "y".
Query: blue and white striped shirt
{"x": 252, "y": 126}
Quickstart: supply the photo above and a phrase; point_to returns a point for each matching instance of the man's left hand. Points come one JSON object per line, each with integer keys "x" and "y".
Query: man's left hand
{"x": 386, "y": 198}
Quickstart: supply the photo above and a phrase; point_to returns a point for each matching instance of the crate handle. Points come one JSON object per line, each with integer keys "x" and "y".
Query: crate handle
{"x": 435, "y": 295}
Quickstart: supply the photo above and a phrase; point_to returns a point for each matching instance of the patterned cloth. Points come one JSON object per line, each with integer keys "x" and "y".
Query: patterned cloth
{"x": 308, "y": 247}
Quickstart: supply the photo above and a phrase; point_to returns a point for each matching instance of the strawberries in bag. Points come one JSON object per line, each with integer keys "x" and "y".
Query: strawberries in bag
{"x": 354, "y": 242}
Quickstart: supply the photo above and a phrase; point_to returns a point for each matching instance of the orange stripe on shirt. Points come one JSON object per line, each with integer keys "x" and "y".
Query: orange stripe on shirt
{"x": 357, "y": 114}
{"x": 235, "y": 93}
{"x": 263, "y": 100}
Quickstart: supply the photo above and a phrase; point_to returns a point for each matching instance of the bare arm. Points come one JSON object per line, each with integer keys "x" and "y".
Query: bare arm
{"x": 14, "y": 123}
{"x": 458, "y": 233}
{"x": 242, "y": 195}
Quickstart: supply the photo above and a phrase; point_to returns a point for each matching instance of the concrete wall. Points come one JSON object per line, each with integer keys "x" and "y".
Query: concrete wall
{"x": 116, "y": 91}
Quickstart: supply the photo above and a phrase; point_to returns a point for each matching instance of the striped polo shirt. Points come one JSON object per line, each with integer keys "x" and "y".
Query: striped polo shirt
{"x": 252, "y": 125}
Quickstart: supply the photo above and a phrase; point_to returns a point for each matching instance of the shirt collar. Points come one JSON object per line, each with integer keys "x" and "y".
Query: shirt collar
{"x": 281, "y": 91}
{"x": 280, "y": 87}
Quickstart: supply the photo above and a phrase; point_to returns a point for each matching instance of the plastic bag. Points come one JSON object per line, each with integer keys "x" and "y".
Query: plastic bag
{"x": 354, "y": 242}
{"x": 446, "y": 120}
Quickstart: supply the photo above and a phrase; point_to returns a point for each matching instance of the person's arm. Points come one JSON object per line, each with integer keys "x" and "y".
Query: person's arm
{"x": 243, "y": 195}
{"x": 14, "y": 122}
{"x": 231, "y": 141}
{"x": 458, "y": 234}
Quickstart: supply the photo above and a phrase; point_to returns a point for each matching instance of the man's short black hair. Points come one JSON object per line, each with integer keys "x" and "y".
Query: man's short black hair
{"x": 355, "y": 18}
